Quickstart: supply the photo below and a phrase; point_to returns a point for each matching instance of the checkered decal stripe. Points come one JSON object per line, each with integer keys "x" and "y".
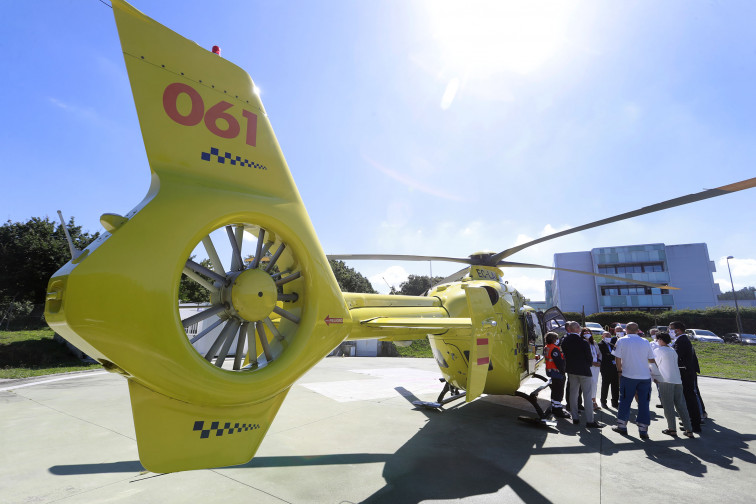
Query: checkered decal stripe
{"x": 215, "y": 427}
{"x": 227, "y": 157}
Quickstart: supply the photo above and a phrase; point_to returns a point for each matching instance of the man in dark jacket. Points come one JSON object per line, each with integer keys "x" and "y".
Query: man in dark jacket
{"x": 577, "y": 354}
{"x": 686, "y": 360}
{"x": 609, "y": 376}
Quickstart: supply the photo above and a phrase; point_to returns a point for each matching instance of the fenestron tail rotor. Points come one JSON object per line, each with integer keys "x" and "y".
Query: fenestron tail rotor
{"x": 254, "y": 302}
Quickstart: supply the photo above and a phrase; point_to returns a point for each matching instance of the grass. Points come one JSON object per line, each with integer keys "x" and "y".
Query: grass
{"x": 35, "y": 353}
{"x": 726, "y": 360}
{"x": 418, "y": 348}
{"x": 717, "y": 360}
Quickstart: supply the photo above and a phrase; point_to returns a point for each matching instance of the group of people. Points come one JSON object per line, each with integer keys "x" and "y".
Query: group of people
{"x": 628, "y": 364}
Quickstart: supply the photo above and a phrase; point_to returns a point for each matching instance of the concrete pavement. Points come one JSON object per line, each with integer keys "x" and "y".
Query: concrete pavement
{"x": 348, "y": 433}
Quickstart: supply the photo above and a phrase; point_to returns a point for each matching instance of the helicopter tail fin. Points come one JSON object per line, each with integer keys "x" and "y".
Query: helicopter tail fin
{"x": 200, "y": 115}
{"x": 219, "y": 183}
{"x": 178, "y": 436}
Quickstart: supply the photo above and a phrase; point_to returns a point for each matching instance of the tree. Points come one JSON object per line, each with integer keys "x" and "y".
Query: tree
{"x": 744, "y": 293}
{"x": 416, "y": 285}
{"x": 192, "y": 292}
{"x": 30, "y": 253}
{"x": 350, "y": 280}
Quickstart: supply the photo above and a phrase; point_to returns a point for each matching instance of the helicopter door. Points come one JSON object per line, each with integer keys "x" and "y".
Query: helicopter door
{"x": 535, "y": 339}
{"x": 553, "y": 320}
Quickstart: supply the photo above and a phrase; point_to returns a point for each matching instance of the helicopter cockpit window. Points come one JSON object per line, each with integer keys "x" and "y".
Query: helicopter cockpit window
{"x": 535, "y": 339}
{"x": 535, "y": 333}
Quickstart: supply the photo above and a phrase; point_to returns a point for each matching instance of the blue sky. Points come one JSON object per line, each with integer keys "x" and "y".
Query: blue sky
{"x": 412, "y": 127}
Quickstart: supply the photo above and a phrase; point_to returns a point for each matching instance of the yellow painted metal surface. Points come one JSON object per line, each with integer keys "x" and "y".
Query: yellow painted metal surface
{"x": 484, "y": 326}
{"x": 453, "y": 350}
{"x": 214, "y": 162}
{"x": 119, "y": 303}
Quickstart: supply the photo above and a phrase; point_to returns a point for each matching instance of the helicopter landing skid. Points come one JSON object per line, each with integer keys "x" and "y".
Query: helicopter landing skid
{"x": 544, "y": 417}
{"x": 456, "y": 394}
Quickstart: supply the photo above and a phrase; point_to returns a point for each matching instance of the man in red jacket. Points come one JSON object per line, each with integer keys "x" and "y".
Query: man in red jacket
{"x": 555, "y": 369}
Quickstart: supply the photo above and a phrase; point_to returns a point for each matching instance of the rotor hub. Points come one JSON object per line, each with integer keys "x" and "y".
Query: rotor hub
{"x": 253, "y": 294}
{"x": 482, "y": 258}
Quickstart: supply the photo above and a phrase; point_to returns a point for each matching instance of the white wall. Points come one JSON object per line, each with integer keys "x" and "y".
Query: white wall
{"x": 691, "y": 271}
{"x": 574, "y": 291}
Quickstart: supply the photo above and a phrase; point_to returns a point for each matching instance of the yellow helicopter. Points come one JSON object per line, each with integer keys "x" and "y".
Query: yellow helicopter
{"x": 217, "y": 168}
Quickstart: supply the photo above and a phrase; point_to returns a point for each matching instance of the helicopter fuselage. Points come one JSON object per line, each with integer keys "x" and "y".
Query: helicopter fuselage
{"x": 507, "y": 356}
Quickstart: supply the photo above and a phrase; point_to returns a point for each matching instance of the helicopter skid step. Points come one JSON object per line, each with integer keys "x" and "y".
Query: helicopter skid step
{"x": 544, "y": 417}
{"x": 439, "y": 404}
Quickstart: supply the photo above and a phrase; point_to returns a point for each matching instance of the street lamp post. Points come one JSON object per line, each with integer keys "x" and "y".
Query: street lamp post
{"x": 735, "y": 296}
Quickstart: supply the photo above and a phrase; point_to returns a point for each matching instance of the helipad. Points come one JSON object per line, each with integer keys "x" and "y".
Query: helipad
{"x": 348, "y": 433}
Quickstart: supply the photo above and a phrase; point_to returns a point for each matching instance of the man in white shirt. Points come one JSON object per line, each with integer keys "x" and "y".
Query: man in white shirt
{"x": 670, "y": 386}
{"x": 633, "y": 355}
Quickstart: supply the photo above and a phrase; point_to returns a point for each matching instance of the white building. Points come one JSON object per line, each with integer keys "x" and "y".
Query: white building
{"x": 686, "y": 267}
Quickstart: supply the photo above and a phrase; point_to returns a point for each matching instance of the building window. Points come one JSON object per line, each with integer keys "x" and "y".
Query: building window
{"x": 613, "y": 269}
{"x": 631, "y": 290}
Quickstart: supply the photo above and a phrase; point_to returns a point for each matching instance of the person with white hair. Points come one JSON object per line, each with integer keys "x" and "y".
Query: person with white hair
{"x": 633, "y": 355}
{"x": 577, "y": 354}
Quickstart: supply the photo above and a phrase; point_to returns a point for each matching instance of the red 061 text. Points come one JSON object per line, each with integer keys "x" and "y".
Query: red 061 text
{"x": 214, "y": 115}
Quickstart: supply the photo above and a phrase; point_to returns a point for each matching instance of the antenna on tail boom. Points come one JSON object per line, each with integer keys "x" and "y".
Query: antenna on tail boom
{"x": 74, "y": 252}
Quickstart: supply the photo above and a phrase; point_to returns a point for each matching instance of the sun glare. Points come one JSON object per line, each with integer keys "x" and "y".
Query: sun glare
{"x": 480, "y": 38}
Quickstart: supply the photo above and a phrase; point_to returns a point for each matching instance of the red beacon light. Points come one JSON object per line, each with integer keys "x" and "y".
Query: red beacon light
{"x": 216, "y": 50}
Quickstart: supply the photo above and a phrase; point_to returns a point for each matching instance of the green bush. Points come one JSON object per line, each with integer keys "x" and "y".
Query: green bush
{"x": 21, "y": 315}
{"x": 718, "y": 319}
{"x": 418, "y": 348}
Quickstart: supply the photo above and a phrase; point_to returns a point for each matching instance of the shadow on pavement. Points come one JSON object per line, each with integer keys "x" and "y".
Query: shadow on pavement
{"x": 460, "y": 452}
{"x": 126, "y": 466}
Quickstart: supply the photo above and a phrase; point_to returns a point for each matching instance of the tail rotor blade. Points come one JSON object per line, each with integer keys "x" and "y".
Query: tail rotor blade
{"x": 236, "y": 258}
{"x": 215, "y": 261}
{"x": 258, "y": 249}
{"x": 230, "y": 337}
{"x": 239, "y": 356}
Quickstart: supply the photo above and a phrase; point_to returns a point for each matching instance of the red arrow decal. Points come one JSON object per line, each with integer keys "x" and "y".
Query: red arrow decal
{"x": 329, "y": 320}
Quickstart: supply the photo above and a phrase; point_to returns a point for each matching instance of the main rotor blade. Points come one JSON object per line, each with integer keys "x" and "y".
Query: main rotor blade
{"x": 682, "y": 200}
{"x": 453, "y": 277}
{"x": 396, "y": 257}
{"x": 509, "y": 264}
